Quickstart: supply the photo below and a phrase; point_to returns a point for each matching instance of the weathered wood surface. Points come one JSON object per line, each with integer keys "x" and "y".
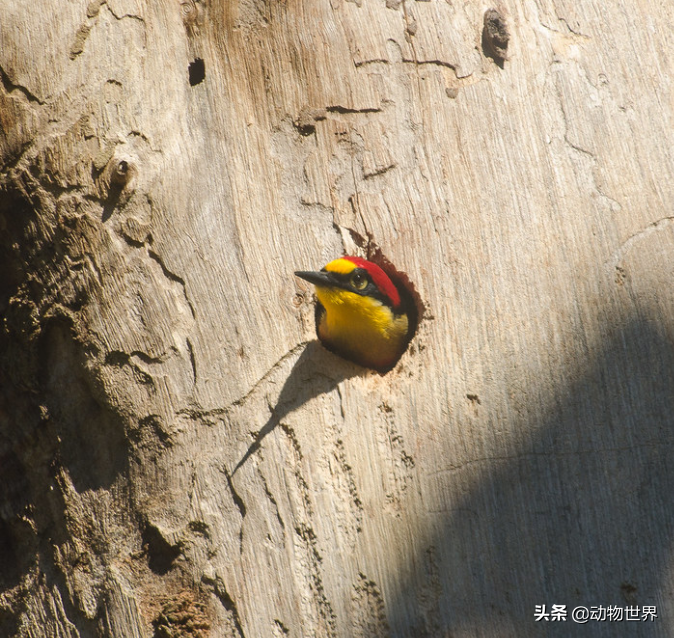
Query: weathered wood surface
{"x": 519, "y": 454}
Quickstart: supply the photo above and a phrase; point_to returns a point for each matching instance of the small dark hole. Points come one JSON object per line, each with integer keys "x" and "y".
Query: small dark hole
{"x": 306, "y": 129}
{"x": 161, "y": 554}
{"x": 495, "y": 37}
{"x": 197, "y": 72}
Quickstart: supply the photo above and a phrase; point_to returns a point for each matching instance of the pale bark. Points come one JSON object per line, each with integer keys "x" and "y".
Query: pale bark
{"x": 151, "y": 216}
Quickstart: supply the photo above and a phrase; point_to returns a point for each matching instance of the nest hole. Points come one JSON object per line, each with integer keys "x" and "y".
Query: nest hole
{"x": 196, "y": 72}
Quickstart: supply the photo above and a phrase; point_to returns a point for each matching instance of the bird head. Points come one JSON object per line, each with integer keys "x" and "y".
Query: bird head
{"x": 360, "y": 314}
{"x": 350, "y": 279}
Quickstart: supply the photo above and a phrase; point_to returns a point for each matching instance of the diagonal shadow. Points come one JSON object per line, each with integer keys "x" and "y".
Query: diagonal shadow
{"x": 307, "y": 380}
{"x": 583, "y": 514}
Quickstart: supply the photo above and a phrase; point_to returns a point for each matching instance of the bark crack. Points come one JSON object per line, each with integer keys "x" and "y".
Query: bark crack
{"x": 193, "y": 361}
{"x": 117, "y": 357}
{"x": 132, "y": 16}
{"x": 345, "y": 110}
{"x": 372, "y": 61}
{"x": 341, "y": 402}
{"x": 93, "y": 11}
{"x": 219, "y": 589}
{"x": 11, "y": 87}
{"x": 582, "y": 153}
{"x": 571, "y": 29}
{"x": 238, "y": 501}
{"x": 442, "y": 63}
{"x": 272, "y": 500}
{"x": 173, "y": 277}
{"x": 636, "y": 237}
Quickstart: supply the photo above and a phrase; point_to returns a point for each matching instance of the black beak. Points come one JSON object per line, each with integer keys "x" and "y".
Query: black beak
{"x": 323, "y": 279}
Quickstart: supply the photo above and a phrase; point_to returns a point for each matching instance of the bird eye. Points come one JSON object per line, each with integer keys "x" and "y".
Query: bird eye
{"x": 359, "y": 280}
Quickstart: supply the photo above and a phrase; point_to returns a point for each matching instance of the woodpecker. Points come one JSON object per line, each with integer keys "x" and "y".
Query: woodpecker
{"x": 361, "y": 315}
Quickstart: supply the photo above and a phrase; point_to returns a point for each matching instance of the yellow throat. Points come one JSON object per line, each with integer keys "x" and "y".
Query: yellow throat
{"x": 361, "y": 328}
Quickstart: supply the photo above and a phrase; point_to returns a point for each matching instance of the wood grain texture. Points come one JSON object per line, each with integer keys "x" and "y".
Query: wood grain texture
{"x": 153, "y": 333}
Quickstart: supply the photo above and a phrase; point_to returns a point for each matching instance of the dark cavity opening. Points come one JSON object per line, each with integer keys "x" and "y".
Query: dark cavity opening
{"x": 161, "y": 554}
{"x": 197, "y": 72}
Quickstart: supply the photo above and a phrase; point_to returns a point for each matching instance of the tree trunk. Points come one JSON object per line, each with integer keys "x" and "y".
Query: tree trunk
{"x": 180, "y": 457}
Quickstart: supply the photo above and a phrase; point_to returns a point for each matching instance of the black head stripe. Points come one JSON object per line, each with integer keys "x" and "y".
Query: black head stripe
{"x": 343, "y": 280}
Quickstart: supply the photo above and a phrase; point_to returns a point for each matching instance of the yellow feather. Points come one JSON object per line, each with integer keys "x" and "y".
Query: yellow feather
{"x": 360, "y": 327}
{"x": 341, "y": 266}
